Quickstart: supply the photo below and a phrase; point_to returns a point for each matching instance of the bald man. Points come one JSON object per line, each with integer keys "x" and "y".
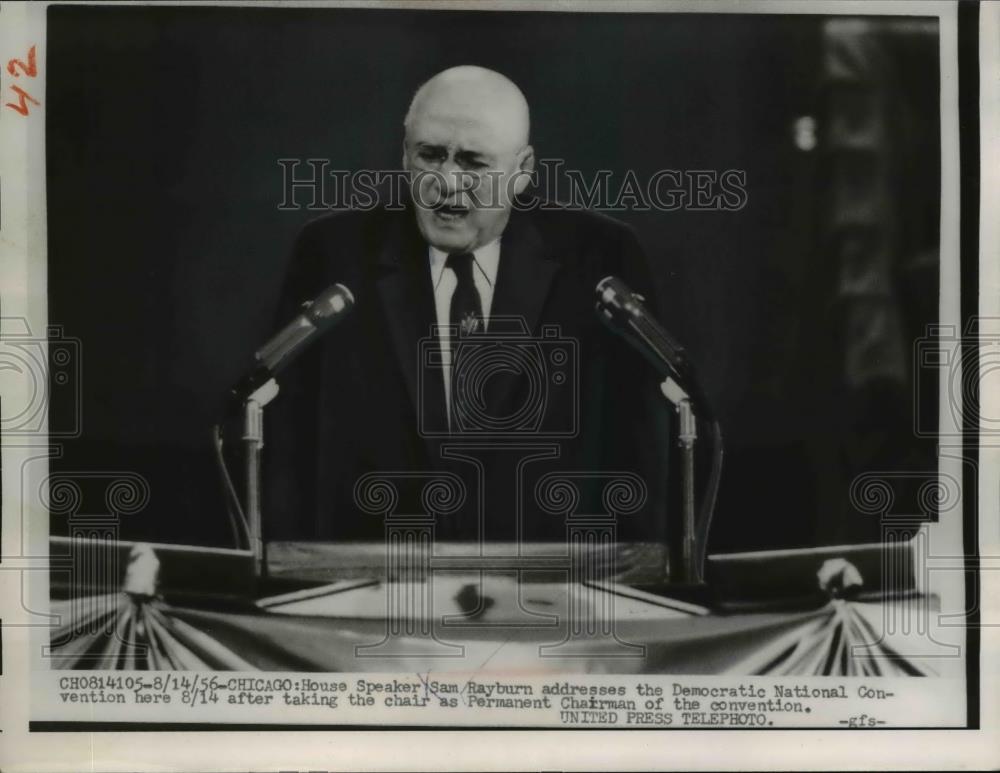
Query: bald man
{"x": 468, "y": 267}
{"x": 467, "y": 132}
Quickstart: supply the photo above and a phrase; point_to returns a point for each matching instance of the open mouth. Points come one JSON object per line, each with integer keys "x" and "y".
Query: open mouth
{"x": 449, "y": 212}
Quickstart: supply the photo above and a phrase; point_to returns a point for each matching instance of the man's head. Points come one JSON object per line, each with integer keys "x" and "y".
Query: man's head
{"x": 466, "y": 148}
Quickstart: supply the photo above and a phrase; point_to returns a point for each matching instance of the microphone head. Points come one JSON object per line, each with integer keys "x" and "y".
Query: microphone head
{"x": 330, "y": 304}
{"x": 615, "y": 301}
{"x": 624, "y": 313}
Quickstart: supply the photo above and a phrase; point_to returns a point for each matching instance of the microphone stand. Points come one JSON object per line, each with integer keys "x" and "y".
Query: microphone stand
{"x": 690, "y": 570}
{"x": 253, "y": 443}
{"x": 623, "y": 312}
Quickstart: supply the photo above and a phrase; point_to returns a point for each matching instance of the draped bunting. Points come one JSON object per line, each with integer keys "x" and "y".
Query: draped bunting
{"x": 122, "y": 631}
{"x": 463, "y": 622}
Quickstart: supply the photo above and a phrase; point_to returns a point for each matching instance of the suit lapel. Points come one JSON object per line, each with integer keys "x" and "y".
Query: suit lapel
{"x": 525, "y": 273}
{"x": 524, "y": 279}
{"x": 404, "y": 286}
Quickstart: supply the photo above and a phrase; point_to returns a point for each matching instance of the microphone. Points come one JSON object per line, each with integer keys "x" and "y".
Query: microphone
{"x": 624, "y": 313}
{"x": 318, "y": 315}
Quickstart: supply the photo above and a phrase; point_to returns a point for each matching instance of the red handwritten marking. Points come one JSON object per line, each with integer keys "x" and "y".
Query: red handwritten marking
{"x": 22, "y": 103}
{"x": 30, "y": 69}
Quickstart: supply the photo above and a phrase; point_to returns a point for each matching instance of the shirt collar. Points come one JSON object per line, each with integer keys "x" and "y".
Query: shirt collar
{"x": 487, "y": 260}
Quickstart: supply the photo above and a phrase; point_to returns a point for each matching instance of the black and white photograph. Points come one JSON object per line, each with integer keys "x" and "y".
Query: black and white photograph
{"x": 556, "y": 366}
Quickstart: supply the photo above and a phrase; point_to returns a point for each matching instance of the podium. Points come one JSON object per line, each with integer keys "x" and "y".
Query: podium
{"x": 326, "y": 603}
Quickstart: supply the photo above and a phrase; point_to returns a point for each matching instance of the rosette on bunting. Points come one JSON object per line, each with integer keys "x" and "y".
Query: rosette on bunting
{"x": 133, "y": 629}
{"x": 843, "y": 641}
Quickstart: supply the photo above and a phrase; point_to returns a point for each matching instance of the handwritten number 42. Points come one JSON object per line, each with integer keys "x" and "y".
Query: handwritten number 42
{"x": 31, "y": 70}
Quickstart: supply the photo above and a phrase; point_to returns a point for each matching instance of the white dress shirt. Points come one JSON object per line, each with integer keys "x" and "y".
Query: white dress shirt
{"x": 484, "y": 275}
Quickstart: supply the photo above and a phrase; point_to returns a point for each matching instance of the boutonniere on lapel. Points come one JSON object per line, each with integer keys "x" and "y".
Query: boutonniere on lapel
{"x": 469, "y": 324}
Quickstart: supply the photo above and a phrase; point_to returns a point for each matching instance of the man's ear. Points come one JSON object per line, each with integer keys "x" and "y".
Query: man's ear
{"x": 406, "y": 158}
{"x": 525, "y": 169}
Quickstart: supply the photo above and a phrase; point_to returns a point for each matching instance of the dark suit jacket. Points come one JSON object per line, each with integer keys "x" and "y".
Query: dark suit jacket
{"x": 356, "y": 401}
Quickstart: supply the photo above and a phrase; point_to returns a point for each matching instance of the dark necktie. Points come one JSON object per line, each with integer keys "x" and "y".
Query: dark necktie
{"x": 465, "y": 319}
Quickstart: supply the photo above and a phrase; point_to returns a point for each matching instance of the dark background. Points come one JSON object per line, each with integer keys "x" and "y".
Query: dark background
{"x": 167, "y": 247}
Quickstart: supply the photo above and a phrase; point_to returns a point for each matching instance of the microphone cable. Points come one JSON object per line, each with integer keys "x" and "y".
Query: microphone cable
{"x": 234, "y": 509}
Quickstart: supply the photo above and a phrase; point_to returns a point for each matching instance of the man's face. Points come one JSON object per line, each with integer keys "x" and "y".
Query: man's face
{"x": 464, "y": 168}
